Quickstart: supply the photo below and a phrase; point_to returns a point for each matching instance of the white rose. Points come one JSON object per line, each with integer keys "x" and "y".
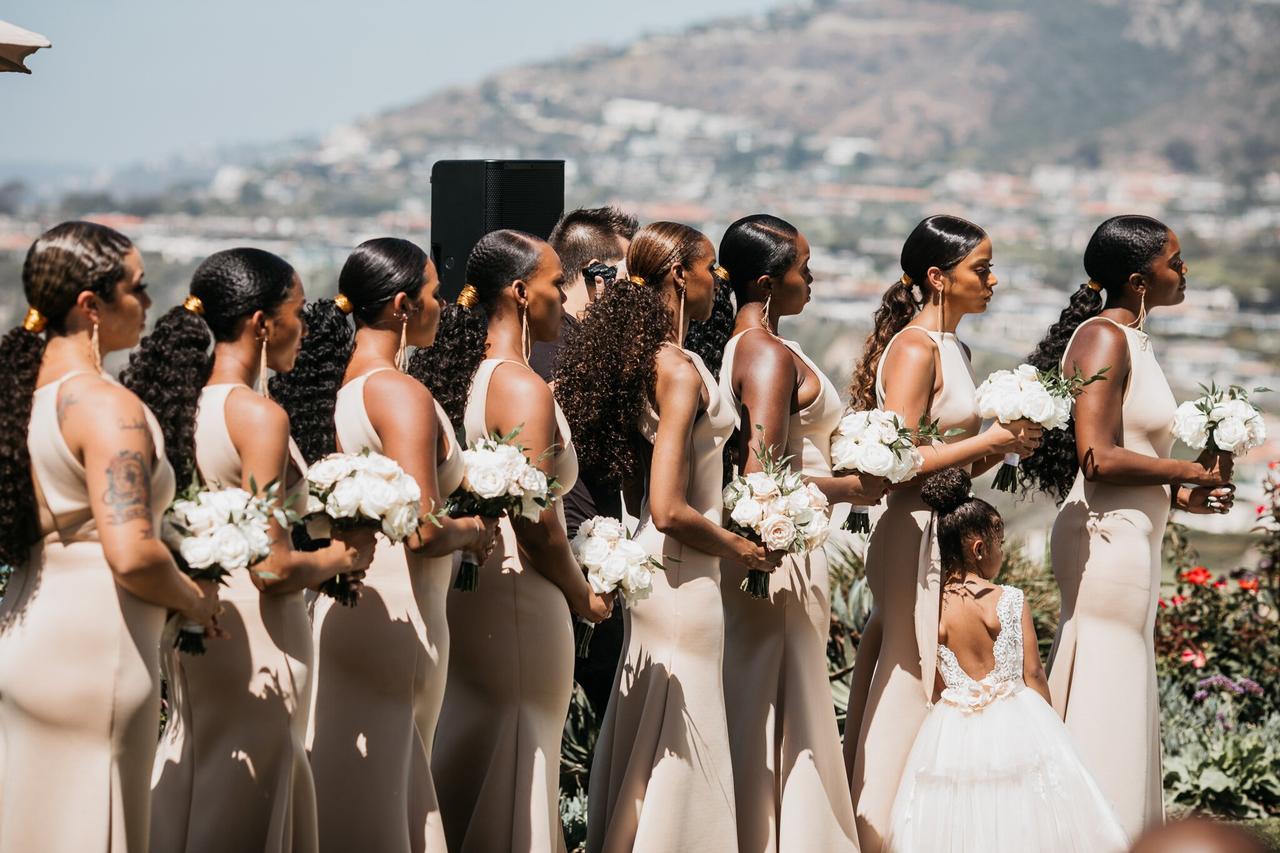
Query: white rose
{"x": 1061, "y": 413}
{"x": 632, "y": 552}
{"x": 401, "y": 522}
{"x": 1190, "y": 426}
{"x": 377, "y": 497}
{"x": 197, "y": 551}
{"x": 533, "y": 481}
{"x": 610, "y": 529}
{"x": 747, "y": 512}
{"x": 843, "y": 450}
{"x": 876, "y": 460}
{"x": 378, "y": 465}
{"x": 907, "y": 463}
{"x": 1037, "y": 405}
{"x": 613, "y": 570}
{"x": 1027, "y": 371}
{"x": 638, "y": 583}
{"x": 202, "y": 518}
{"x": 1238, "y": 408}
{"x": 1005, "y": 405}
{"x": 818, "y": 498}
{"x": 585, "y": 530}
{"x": 594, "y": 552}
{"x": 800, "y": 500}
{"x": 344, "y": 500}
{"x": 778, "y": 533}
{"x": 406, "y": 488}
{"x": 762, "y": 485}
{"x": 854, "y": 424}
{"x": 256, "y": 537}
{"x": 801, "y": 517}
{"x": 485, "y": 475}
{"x": 329, "y": 470}
{"x": 1230, "y": 434}
{"x": 511, "y": 459}
{"x": 1257, "y": 431}
{"x": 230, "y": 549}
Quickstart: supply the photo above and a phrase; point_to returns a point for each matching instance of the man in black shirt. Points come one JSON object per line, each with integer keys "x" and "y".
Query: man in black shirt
{"x": 583, "y": 237}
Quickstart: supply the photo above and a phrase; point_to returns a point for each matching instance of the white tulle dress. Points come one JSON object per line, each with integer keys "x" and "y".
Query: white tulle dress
{"x": 994, "y": 769}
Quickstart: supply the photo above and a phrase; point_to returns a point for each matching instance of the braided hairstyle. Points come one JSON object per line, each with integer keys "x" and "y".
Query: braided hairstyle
{"x": 448, "y": 366}
{"x": 607, "y": 370}
{"x": 961, "y": 516}
{"x": 62, "y": 263}
{"x": 1120, "y": 247}
{"x": 940, "y": 241}
{"x": 170, "y": 367}
{"x": 374, "y": 273}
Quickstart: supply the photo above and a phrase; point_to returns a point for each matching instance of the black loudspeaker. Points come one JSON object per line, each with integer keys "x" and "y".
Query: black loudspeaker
{"x": 470, "y": 198}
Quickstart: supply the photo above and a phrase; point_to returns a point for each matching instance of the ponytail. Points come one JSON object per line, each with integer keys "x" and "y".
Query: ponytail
{"x": 309, "y": 392}
{"x": 1120, "y": 247}
{"x": 898, "y": 305}
{"x": 20, "y": 354}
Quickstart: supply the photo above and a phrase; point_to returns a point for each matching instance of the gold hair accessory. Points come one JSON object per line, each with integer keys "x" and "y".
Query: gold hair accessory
{"x": 636, "y": 279}
{"x": 469, "y": 296}
{"x": 193, "y": 304}
{"x": 1093, "y": 285}
{"x": 720, "y": 272}
{"x": 34, "y": 321}
{"x": 906, "y": 280}
{"x": 343, "y": 303}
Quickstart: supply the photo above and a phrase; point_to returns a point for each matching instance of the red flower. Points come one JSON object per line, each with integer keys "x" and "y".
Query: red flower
{"x": 1219, "y": 583}
{"x": 1198, "y": 576}
{"x": 1250, "y": 584}
{"x": 1162, "y": 603}
{"x": 1178, "y": 599}
{"x": 1261, "y": 508}
{"x": 1193, "y": 657}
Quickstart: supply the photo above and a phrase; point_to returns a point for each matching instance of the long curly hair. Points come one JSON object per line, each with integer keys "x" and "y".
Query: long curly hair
{"x": 606, "y": 371}
{"x": 1120, "y": 247}
{"x": 940, "y": 241}
{"x": 374, "y": 273}
{"x": 961, "y": 515}
{"x": 170, "y": 367}
{"x": 62, "y": 263}
{"x": 448, "y": 366}
{"x": 708, "y": 337}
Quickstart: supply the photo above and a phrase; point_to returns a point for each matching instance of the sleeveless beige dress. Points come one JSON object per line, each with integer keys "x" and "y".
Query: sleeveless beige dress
{"x": 231, "y": 772}
{"x": 497, "y": 757}
{"x": 379, "y": 680}
{"x": 662, "y": 777}
{"x": 1106, "y": 559}
{"x": 898, "y": 698}
{"x": 788, "y": 777}
{"x": 79, "y": 667}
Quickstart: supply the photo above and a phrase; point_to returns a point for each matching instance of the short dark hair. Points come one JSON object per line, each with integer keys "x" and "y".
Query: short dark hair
{"x": 590, "y": 232}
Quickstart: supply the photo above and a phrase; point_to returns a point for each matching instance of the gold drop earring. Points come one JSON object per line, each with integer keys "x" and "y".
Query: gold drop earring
{"x": 402, "y": 353}
{"x": 526, "y": 345}
{"x": 95, "y": 349}
{"x": 1141, "y": 322}
{"x": 262, "y": 370}
{"x": 764, "y": 311}
{"x": 680, "y": 321}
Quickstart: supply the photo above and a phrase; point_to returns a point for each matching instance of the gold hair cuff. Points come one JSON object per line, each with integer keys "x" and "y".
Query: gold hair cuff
{"x": 906, "y": 280}
{"x": 34, "y": 321}
{"x": 469, "y": 296}
{"x": 636, "y": 279}
{"x": 1093, "y": 285}
{"x": 343, "y": 303}
{"x": 720, "y": 272}
{"x": 193, "y": 304}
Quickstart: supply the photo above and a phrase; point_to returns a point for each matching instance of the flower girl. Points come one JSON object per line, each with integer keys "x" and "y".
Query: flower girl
{"x": 993, "y": 768}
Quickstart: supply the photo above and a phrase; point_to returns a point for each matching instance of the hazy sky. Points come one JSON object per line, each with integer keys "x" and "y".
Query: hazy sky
{"x": 131, "y": 80}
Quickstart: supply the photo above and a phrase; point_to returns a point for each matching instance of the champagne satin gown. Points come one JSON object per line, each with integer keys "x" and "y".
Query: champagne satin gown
{"x": 1106, "y": 558}
{"x": 231, "y": 771}
{"x": 662, "y": 777}
{"x": 497, "y": 757}
{"x": 380, "y": 676}
{"x": 898, "y": 700}
{"x": 79, "y": 666}
{"x": 788, "y": 776}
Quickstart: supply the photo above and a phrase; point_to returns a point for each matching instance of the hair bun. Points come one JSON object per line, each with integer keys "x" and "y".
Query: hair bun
{"x": 946, "y": 490}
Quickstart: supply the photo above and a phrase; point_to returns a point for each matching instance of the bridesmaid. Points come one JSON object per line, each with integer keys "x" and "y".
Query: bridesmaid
{"x": 511, "y": 670}
{"x": 791, "y": 787}
{"x": 381, "y": 663}
{"x": 661, "y": 777}
{"x": 915, "y": 365}
{"x": 232, "y": 769}
{"x": 1114, "y": 473}
{"x": 83, "y": 484}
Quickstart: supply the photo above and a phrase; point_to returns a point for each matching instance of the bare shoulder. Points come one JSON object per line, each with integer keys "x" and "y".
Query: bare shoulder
{"x": 95, "y": 402}
{"x": 255, "y": 414}
{"x": 398, "y": 387}
{"x": 913, "y": 353}
{"x": 1104, "y": 341}
{"x": 764, "y": 354}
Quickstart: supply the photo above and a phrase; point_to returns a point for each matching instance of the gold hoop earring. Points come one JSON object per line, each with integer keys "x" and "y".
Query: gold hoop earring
{"x": 526, "y": 344}
{"x": 764, "y": 311}
{"x": 95, "y": 350}
{"x": 262, "y": 370}
{"x": 403, "y": 351}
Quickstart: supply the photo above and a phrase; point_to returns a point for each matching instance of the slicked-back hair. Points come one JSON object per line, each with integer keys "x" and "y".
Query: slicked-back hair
{"x": 590, "y": 232}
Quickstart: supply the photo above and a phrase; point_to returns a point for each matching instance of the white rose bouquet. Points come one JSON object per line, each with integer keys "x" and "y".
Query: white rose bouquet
{"x": 364, "y": 489}
{"x": 215, "y": 531}
{"x": 1044, "y": 397}
{"x": 776, "y": 508}
{"x": 498, "y": 479}
{"x": 877, "y": 443}
{"x": 612, "y": 561}
{"x": 1221, "y": 420}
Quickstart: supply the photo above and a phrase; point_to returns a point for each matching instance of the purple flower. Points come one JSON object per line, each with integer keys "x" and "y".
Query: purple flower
{"x": 1248, "y": 685}
{"x": 1200, "y": 695}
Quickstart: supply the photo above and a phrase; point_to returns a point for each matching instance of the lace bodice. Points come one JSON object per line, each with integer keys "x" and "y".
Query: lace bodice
{"x": 1005, "y": 678}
